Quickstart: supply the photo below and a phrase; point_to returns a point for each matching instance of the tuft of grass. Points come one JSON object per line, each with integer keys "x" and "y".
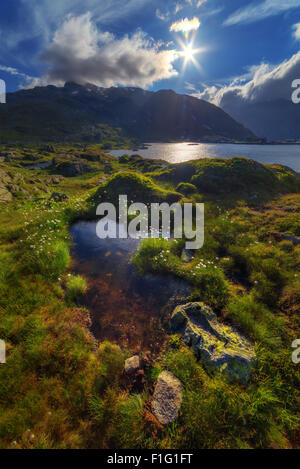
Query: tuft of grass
{"x": 76, "y": 287}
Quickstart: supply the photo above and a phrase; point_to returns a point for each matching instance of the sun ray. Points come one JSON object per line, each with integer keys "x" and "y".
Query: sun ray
{"x": 188, "y": 53}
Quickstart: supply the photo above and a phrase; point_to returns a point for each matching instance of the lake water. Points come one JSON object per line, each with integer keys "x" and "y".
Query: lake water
{"x": 124, "y": 307}
{"x": 288, "y": 155}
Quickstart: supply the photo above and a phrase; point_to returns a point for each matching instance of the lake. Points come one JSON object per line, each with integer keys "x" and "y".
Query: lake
{"x": 288, "y": 155}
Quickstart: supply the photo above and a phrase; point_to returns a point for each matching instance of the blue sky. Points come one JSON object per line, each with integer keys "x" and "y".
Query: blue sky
{"x": 111, "y": 42}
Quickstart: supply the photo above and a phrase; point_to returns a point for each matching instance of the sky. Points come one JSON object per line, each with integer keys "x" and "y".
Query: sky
{"x": 214, "y": 49}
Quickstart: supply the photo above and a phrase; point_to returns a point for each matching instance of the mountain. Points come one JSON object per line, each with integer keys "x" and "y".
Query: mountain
{"x": 275, "y": 119}
{"x": 85, "y": 112}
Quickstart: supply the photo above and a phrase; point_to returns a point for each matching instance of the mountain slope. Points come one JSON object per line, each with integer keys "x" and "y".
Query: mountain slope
{"x": 275, "y": 120}
{"x": 76, "y": 112}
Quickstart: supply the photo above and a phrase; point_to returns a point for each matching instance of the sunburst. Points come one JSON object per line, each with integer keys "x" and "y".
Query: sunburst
{"x": 188, "y": 53}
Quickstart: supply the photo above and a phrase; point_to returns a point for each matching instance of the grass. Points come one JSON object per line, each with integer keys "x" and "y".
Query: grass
{"x": 76, "y": 287}
{"x": 60, "y": 388}
{"x": 137, "y": 187}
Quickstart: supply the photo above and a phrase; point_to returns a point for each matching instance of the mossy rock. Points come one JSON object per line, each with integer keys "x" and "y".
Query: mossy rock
{"x": 70, "y": 166}
{"x": 219, "y": 347}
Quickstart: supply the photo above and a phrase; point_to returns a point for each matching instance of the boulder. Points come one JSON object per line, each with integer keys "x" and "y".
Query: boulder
{"x": 187, "y": 255}
{"x": 48, "y": 148}
{"x": 132, "y": 364}
{"x": 70, "y": 166}
{"x": 167, "y": 398}
{"x": 59, "y": 197}
{"x": 219, "y": 346}
{"x": 295, "y": 239}
{"x": 56, "y": 179}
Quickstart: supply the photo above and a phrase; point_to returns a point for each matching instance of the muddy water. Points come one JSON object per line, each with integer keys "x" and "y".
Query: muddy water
{"x": 125, "y": 308}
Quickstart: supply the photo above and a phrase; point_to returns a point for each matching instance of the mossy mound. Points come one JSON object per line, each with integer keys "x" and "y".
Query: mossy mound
{"x": 143, "y": 165}
{"x": 138, "y": 188}
{"x": 233, "y": 176}
{"x": 186, "y": 188}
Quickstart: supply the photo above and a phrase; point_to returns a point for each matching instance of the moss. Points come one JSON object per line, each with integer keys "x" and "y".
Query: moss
{"x": 137, "y": 187}
{"x": 70, "y": 392}
{"x": 186, "y": 188}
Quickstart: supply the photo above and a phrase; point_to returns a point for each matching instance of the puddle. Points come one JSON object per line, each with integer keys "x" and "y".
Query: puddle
{"x": 43, "y": 165}
{"x": 125, "y": 308}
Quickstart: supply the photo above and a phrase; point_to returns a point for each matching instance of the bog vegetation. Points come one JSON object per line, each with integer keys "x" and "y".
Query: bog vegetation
{"x": 60, "y": 388}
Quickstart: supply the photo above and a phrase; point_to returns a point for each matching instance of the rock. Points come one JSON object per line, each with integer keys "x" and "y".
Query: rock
{"x": 48, "y": 148}
{"x": 59, "y": 197}
{"x": 295, "y": 240}
{"x": 167, "y": 398}
{"x": 70, "y": 166}
{"x": 5, "y": 195}
{"x": 53, "y": 180}
{"x": 288, "y": 237}
{"x": 132, "y": 364}
{"x": 220, "y": 347}
{"x": 187, "y": 255}
{"x": 90, "y": 156}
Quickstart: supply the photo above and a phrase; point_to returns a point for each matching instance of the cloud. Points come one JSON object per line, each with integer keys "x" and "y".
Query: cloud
{"x": 257, "y": 12}
{"x": 200, "y": 2}
{"x": 268, "y": 83}
{"x": 13, "y": 71}
{"x": 261, "y": 99}
{"x": 178, "y": 7}
{"x": 197, "y": 3}
{"x": 80, "y": 52}
{"x": 162, "y": 16}
{"x": 296, "y": 28}
{"x": 185, "y": 25}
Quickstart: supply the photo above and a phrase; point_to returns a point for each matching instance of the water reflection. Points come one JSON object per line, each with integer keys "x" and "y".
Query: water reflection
{"x": 125, "y": 308}
{"x": 288, "y": 155}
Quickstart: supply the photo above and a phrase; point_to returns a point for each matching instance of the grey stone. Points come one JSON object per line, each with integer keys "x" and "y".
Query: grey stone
{"x": 132, "y": 364}
{"x": 219, "y": 346}
{"x": 59, "y": 197}
{"x": 167, "y": 398}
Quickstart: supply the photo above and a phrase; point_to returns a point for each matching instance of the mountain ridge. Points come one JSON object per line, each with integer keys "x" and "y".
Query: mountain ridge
{"x": 75, "y": 112}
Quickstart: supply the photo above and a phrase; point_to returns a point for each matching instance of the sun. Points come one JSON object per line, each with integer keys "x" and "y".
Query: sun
{"x": 188, "y": 53}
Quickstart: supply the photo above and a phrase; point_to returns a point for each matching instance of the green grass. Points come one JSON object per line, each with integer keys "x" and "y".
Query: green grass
{"x": 137, "y": 187}
{"x": 76, "y": 287}
{"x": 62, "y": 389}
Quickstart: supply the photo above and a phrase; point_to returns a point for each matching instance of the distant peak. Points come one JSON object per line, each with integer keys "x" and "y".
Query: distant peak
{"x": 72, "y": 84}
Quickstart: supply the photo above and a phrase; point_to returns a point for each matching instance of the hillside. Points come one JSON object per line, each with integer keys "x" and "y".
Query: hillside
{"x": 85, "y": 113}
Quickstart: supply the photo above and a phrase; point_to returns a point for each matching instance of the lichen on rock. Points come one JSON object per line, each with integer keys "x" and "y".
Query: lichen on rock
{"x": 219, "y": 346}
